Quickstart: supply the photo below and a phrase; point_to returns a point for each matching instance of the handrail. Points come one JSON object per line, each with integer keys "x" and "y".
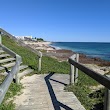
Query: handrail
{"x": 96, "y": 76}
{"x": 11, "y": 36}
{"x": 22, "y": 43}
{"x": 8, "y": 50}
{"x": 6, "y": 83}
{"x": 39, "y": 53}
{"x": 104, "y": 80}
{"x": 6, "y": 33}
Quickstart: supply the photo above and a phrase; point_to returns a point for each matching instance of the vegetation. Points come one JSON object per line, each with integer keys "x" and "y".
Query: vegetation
{"x": 90, "y": 99}
{"x": 13, "y": 90}
{"x": 40, "y": 39}
{"x": 82, "y": 89}
{"x": 31, "y": 59}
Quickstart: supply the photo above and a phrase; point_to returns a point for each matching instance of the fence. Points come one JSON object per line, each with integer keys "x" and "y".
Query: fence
{"x": 6, "y": 83}
{"x": 39, "y": 54}
{"x": 23, "y": 44}
{"x": 104, "y": 80}
{"x": 9, "y": 78}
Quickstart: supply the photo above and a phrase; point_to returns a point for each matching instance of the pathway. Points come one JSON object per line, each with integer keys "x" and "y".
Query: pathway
{"x": 46, "y": 92}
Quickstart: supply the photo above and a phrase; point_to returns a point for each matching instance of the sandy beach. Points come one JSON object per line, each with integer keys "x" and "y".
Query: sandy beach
{"x": 39, "y": 45}
{"x": 96, "y": 64}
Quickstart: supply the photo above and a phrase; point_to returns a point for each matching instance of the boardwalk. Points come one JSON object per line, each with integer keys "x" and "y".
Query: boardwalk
{"x": 46, "y": 92}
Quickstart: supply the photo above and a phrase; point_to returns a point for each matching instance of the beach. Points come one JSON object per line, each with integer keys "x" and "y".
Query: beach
{"x": 96, "y": 64}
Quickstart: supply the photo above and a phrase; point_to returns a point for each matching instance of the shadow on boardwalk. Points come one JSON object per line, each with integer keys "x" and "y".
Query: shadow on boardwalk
{"x": 57, "y": 105}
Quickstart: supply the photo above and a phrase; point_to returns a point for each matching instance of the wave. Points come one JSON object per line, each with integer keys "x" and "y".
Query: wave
{"x": 91, "y": 49}
{"x": 56, "y": 47}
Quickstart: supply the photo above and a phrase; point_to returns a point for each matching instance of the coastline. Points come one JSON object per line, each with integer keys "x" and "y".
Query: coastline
{"x": 95, "y": 63}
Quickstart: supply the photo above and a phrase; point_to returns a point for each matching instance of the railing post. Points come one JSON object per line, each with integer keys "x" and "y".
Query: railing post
{"x": 17, "y": 79}
{"x": 76, "y": 69}
{"x": 71, "y": 74}
{"x": 0, "y": 38}
{"x": 39, "y": 65}
{"x": 72, "y": 71}
{"x": 107, "y": 98}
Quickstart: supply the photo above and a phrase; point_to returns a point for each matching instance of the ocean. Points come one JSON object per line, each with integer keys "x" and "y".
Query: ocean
{"x": 91, "y": 49}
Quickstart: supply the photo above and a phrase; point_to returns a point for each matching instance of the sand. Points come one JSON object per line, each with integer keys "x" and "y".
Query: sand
{"x": 40, "y": 45}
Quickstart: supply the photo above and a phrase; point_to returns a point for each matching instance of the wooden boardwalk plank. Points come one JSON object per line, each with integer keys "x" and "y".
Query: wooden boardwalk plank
{"x": 4, "y": 55}
{"x": 7, "y": 60}
{"x": 46, "y": 92}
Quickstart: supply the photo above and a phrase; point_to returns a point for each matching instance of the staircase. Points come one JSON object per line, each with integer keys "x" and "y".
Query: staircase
{"x": 11, "y": 66}
{"x": 7, "y": 62}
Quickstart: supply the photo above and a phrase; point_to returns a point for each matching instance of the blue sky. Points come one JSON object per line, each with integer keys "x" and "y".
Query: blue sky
{"x": 57, "y": 20}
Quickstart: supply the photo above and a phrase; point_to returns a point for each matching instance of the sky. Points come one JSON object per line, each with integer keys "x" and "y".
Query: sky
{"x": 57, "y": 20}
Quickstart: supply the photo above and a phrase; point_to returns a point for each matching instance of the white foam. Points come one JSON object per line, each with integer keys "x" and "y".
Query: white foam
{"x": 57, "y": 48}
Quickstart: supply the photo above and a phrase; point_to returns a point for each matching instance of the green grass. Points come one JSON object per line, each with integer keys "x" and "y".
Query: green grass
{"x": 81, "y": 89}
{"x": 31, "y": 59}
{"x": 13, "y": 90}
{"x": 1, "y": 78}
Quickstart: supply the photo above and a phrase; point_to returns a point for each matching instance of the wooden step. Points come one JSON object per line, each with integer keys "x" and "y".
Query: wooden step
{"x": 7, "y": 60}
{"x": 25, "y": 72}
{"x": 8, "y": 65}
{"x": 1, "y": 51}
{"x": 1, "y": 68}
{"x": 23, "y": 67}
{"x": 4, "y": 55}
{"x": 12, "y": 64}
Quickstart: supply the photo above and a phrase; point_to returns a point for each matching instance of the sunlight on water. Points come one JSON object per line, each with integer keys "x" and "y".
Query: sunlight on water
{"x": 101, "y": 50}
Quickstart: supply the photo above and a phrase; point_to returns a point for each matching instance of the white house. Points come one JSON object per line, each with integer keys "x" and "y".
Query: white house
{"x": 23, "y": 37}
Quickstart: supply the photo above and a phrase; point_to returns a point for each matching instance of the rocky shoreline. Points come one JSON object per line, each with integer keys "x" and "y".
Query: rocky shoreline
{"x": 96, "y": 64}
{"x": 64, "y": 54}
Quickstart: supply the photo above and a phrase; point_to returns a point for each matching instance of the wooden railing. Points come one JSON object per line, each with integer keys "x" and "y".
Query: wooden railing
{"x": 104, "y": 80}
{"x": 14, "y": 72}
{"x": 9, "y": 78}
{"x": 22, "y": 43}
{"x": 39, "y": 53}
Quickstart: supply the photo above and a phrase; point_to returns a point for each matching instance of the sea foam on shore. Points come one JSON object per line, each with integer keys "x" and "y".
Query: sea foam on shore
{"x": 91, "y": 49}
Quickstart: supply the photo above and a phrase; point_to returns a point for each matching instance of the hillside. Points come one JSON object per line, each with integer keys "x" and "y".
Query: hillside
{"x": 31, "y": 59}
{"x": 82, "y": 89}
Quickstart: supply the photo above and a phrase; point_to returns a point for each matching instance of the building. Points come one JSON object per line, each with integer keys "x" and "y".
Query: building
{"x": 24, "y": 37}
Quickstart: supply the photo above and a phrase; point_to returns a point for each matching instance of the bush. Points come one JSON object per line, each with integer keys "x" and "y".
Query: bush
{"x": 84, "y": 93}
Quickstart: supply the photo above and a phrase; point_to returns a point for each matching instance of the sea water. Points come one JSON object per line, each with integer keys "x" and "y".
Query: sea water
{"x": 91, "y": 49}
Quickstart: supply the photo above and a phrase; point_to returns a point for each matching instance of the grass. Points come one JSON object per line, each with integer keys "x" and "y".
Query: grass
{"x": 89, "y": 99}
{"x": 1, "y": 78}
{"x": 13, "y": 90}
{"x": 81, "y": 89}
{"x": 31, "y": 59}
